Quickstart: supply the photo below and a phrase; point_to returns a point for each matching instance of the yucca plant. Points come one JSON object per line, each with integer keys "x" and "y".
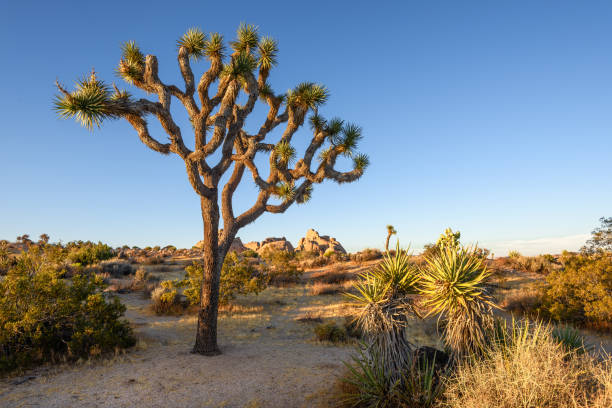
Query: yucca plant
{"x": 453, "y": 285}
{"x": 385, "y": 299}
{"x": 570, "y": 338}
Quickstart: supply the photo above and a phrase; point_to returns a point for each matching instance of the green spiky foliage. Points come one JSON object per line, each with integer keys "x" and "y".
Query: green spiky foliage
{"x": 268, "y": 50}
{"x": 239, "y": 66}
{"x": 247, "y": 38}
{"x": 361, "y": 162}
{"x": 131, "y": 65}
{"x": 284, "y": 154}
{"x": 570, "y": 338}
{"x": 214, "y": 47}
{"x": 194, "y": 42}
{"x": 453, "y": 285}
{"x": 384, "y": 296}
{"x": 266, "y": 92}
{"x": 88, "y": 103}
{"x": 305, "y": 196}
{"x": 317, "y": 123}
{"x": 285, "y": 191}
{"x": 307, "y": 95}
{"x": 349, "y": 138}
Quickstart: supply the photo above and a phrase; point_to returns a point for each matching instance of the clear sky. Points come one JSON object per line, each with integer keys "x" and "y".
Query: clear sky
{"x": 493, "y": 118}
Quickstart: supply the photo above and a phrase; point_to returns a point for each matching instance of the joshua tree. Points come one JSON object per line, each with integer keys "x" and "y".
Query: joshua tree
{"x": 390, "y": 231}
{"x": 221, "y": 142}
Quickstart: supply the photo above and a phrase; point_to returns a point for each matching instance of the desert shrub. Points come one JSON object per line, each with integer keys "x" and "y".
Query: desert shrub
{"x": 6, "y": 260}
{"x": 306, "y": 255}
{"x": 317, "y": 262}
{"x": 238, "y": 277}
{"x": 153, "y": 260}
{"x": 282, "y": 269}
{"x": 366, "y": 255}
{"x": 529, "y": 369}
{"x": 526, "y": 300}
{"x": 331, "y": 332}
{"x": 249, "y": 253}
{"x": 141, "y": 278}
{"x": 165, "y": 299}
{"x": 514, "y": 254}
{"x": 336, "y": 275}
{"x": 89, "y": 253}
{"x": 541, "y": 264}
{"x": 46, "y": 318}
{"x": 581, "y": 291}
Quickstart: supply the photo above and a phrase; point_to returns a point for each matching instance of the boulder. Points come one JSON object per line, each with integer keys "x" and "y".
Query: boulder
{"x": 313, "y": 242}
{"x": 275, "y": 244}
{"x": 253, "y": 245}
{"x": 236, "y": 245}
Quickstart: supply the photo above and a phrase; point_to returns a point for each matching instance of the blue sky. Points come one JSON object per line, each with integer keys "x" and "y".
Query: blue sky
{"x": 493, "y": 118}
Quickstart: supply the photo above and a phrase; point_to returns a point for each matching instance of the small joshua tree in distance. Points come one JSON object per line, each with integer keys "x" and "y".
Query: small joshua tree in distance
{"x": 221, "y": 142}
{"x": 390, "y": 231}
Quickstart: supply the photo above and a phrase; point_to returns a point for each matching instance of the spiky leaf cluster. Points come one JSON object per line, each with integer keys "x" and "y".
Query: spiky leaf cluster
{"x": 239, "y": 66}
{"x": 214, "y": 46}
{"x": 194, "y": 41}
{"x": 305, "y": 196}
{"x": 284, "y": 154}
{"x": 361, "y": 162}
{"x": 307, "y": 95}
{"x": 284, "y": 191}
{"x": 131, "y": 65}
{"x": 88, "y": 103}
{"x": 348, "y": 139}
{"x": 454, "y": 287}
{"x": 247, "y": 38}
{"x": 268, "y": 49}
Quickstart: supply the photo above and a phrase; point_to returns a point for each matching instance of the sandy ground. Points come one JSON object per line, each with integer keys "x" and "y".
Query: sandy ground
{"x": 269, "y": 360}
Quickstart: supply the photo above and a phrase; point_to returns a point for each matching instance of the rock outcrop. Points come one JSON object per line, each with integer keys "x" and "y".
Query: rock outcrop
{"x": 275, "y": 244}
{"x": 236, "y": 245}
{"x": 313, "y": 242}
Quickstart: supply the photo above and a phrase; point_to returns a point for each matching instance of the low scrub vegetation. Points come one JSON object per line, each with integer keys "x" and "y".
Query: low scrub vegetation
{"x": 45, "y": 317}
{"x": 529, "y": 368}
{"x": 486, "y": 361}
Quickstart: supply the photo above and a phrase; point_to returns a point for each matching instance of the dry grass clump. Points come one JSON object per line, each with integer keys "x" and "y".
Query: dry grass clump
{"x": 337, "y": 274}
{"x": 310, "y": 317}
{"x": 330, "y": 332}
{"x": 368, "y": 254}
{"x": 525, "y": 300}
{"x": 531, "y": 370}
{"x": 320, "y": 288}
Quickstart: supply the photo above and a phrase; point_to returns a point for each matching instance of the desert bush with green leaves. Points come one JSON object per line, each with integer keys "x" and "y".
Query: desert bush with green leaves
{"x": 282, "y": 268}
{"x": 238, "y": 277}
{"x": 581, "y": 291}
{"x": 88, "y": 253}
{"x": 44, "y": 317}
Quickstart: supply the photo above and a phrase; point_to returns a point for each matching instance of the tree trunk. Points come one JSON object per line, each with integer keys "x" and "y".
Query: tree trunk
{"x": 206, "y": 336}
{"x": 387, "y": 242}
